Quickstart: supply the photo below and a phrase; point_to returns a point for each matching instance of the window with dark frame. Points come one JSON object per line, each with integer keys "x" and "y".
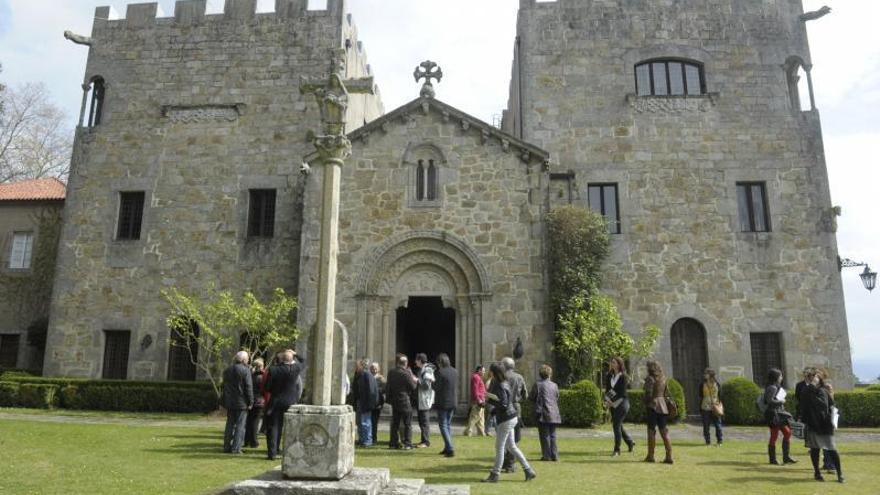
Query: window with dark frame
{"x": 426, "y": 180}
{"x": 669, "y": 77}
{"x": 182, "y": 354}
{"x": 116, "y": 343}
{"x": 9, "y": 351}
{"x": 603, "y": 199}
{"x": 96, "y": 105}
{"x": 131, "y": 214}
{"x": 754, "y": 215}
{"x": 261, "y": 216}
{"x": 766, "y": 354}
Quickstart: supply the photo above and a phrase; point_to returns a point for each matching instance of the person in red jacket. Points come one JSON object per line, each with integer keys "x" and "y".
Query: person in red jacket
{"x": 478, "y": 404}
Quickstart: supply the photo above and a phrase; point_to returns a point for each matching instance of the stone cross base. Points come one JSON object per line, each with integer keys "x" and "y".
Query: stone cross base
{"x": 318, "y": 442}
{"x": 359, "y": 481}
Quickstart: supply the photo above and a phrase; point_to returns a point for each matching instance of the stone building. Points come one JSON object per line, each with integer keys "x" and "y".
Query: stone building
{"x": 680, "y": 121}
{"x": 30, "y": 220}
{"x": 683, "y": 123}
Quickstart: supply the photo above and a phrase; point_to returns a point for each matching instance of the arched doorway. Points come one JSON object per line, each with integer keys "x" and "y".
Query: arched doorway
{"x": 690, "y": 357}
{"x": 424, "y": 325}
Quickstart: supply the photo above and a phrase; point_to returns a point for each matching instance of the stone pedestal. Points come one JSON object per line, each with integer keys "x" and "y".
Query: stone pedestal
{"x": 318, "y": 442}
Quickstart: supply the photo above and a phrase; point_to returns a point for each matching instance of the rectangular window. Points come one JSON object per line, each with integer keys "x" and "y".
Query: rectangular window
{"x": 643, "y": 79}
{"x": 751, "y": 198}
{"x": 766, "y": 354}
{"x": 676, "y": 78}
{"x": 22, "y": 247}
{"x": 182, "y": 353}
{"x": 603, "y": 199}
{"x": 692, "y": 77}
{"x": 261, "y": 216}
{"x": 116, "y": 354}
{"x": 9, "y": 351}
{"x": 131, "y": 214}
{"x": 658, "y": 72}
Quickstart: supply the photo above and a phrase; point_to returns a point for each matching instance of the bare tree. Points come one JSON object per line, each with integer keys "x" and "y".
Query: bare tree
{"x": 34, "y": 142}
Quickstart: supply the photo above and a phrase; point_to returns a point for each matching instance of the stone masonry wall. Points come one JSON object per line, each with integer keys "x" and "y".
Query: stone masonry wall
{"x": 198, "y": 110}
{"x": 676, "y": 161}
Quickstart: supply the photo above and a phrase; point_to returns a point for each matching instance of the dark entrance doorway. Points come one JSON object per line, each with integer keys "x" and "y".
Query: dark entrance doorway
{"x": 426, "y": 326}
{"x": 689, "y": 359}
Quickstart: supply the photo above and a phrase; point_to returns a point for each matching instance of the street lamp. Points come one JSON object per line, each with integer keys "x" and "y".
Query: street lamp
{"x": 869, "y": 278}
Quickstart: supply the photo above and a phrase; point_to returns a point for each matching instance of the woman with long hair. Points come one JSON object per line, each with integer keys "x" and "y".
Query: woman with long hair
{"x": 710, "y": 398}
{"x": 617, "y": 402}
{"x": 501, "y": 398}
{"x": 657, "y": 410}
{"x": 817, "y": 416}
{"x": 777, "y": 418}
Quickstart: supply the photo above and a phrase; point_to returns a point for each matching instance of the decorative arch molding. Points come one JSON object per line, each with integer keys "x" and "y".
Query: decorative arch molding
{"x": 413, "y": 148}
{"x": 669, "y": 50}
{"x": 793, "y": 64}
{"x": 403, "y": 251}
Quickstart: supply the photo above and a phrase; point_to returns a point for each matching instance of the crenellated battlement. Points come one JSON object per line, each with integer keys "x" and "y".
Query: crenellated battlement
{"x": 193, "y": 12}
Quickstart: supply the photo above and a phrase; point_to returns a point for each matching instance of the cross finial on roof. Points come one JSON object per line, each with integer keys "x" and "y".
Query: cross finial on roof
{"x": 427, "y": 70}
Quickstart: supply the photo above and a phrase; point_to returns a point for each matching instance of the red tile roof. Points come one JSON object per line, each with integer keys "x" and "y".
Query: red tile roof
{"x": 37, "y": 189}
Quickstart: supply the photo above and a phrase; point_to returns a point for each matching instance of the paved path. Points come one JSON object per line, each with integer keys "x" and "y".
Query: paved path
{"x": 690, "y": 432}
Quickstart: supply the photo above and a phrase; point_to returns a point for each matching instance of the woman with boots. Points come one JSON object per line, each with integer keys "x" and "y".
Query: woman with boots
{"x": 710, "y": 397}
{"x": 819, "y": 434}
{"x": 617, "y": 402}
{"x": 500, "y": 397}
{"x": 777, "y": 418}
{"x": 655, "y": 396}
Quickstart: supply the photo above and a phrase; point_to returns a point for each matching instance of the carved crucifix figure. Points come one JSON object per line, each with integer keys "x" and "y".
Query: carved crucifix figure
{"x": 333, "y": 148}
{"x": 427, "y": 70}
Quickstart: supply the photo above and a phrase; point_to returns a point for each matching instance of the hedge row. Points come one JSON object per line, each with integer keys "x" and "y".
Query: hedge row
{"x": 108, "y": 395}
{"x": 637, "y": 411}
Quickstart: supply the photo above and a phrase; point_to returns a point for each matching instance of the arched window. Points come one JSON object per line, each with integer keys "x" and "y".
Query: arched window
{"x": 425, "y": 163}
{"x": 426, "y": 180}
{"x": 94, "y": 101}
{"x": 669, "y": 77}
{"x": 800, "y": 86}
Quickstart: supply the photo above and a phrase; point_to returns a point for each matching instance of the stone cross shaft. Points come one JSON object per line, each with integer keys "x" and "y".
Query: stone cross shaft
{"x": 333, "y": 147}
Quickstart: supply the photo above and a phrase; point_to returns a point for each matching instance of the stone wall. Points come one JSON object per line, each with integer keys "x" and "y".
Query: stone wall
{"x": 478, "y": 246}
{"x": 198, "y": 110}
{"x": 677, "y": 160}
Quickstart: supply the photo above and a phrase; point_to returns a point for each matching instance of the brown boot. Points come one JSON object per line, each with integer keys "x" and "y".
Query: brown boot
{"x": 652, "y": 442}
{"x": 668, "y": 445}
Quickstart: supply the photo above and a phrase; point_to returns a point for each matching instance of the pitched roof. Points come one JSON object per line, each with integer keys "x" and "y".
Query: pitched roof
{"x": 527, "y": 151}
{"x": 33, "y": 190}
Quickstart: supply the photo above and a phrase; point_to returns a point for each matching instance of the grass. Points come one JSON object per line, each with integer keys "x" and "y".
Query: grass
{"x": 71, "y": 457}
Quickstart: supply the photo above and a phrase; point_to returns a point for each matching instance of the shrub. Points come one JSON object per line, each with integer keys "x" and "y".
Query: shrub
{"x": 676, "y": 391}
{"x": 858, "y": 408}
{"x": 873, "y": 388}
{"x": 581, "y": 405}
{"x": 738, "y": 395}
{"x": 637, "y": 412}
{"x": 528, "y": 413}
{"x": 8, "y": 394}
{"x": 37, "y": 396}
{"x": 139, "y": 398}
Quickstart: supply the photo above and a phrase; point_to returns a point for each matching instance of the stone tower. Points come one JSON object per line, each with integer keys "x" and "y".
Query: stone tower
{"x": 682, "y": 122}
{"x": 186, "y": 171}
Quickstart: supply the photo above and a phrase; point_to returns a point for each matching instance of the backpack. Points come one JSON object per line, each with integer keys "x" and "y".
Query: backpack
{"x": 760, "y": 403}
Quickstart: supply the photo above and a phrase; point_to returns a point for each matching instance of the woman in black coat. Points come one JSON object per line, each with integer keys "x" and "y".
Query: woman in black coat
{"x": 617, "y": 402}
{"x": 817, "y": 417}
{"x": 501, "y": 398}
{"x": 777, "y": 418}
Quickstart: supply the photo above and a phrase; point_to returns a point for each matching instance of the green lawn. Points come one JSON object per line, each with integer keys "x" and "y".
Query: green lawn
{"x": 51, "y": 457}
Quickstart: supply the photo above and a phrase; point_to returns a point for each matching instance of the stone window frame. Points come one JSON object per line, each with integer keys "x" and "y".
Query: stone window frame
{"x": 426, "y": 152}
{"x": 751, "y": 214}
{"x": 128, "y": 235}
{"x": 773, "y": 198}
{"x": 615, "y": 227}
{"x": 94, "y": 99}
{"x": 128, "y": 253}
{"x": 260, "y": 227}
{"x": 107, "y": 358}
{"x": 673, "y": 52}
{"x": 666, "y": 61}
{"x": 30, "y": 258}
{"x": 760, "y": 376}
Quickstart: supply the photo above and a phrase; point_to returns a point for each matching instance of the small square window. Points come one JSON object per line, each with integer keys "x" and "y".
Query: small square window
{"x": 131, "y": 214}
{"x": 22, "y": 249}
{"x": 261, "y": 214}
{"x": 603, "y": 199}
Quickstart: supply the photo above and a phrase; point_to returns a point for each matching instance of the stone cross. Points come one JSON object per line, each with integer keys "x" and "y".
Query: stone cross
{"x": 427, "y": 70}
{"x": 333, "y": 148}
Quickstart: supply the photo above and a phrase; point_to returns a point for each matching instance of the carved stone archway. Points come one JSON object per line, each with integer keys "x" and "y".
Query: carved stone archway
{"x": 423, "y": 263}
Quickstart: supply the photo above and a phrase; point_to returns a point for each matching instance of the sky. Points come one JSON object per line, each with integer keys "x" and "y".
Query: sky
{"x": 473, "y": 42}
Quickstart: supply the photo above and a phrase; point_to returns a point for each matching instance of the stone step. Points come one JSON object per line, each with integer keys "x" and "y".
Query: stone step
{"x": 360, "y": 481}
{"x": 404, "y": 486}
{"x": 446, "y": 490}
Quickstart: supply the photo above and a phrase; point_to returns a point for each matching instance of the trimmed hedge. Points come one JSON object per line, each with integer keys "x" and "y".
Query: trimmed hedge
{"x": 857, "y": 407}
{"x": 872, "y": 388}
{"x": 637, "y": 412}
{"x": 37, "y": 396}
{"x": 581, "y": 405}
{"x": 8, "y": 394}
{"x": 738, "y": 395}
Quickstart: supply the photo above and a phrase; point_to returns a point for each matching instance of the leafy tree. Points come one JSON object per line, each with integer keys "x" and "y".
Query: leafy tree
{"x": 34, "y": 142}
{"x": 588, "y": 336}
{"x": 214, "y": 327}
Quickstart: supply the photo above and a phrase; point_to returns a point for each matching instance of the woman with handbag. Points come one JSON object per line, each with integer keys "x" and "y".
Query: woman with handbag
{"x": 617, "y": 402}
{"x": 711, "y": 408}
{"x": 817, "y": 416}
{"x": 777, "y": 418}
{"x": 657, "y": 406}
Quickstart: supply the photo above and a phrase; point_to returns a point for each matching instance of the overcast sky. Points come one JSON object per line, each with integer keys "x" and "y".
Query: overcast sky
{"x": 472, "y": 40}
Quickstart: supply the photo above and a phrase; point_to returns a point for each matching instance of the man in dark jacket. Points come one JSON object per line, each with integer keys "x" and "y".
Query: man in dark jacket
{"x": 401, "y": 383}
{"x": 365, "y": 390}
{"x": 284, "y": 392}
{"x": 518, "y": 394}
{"x": 238, "y": 398}
{"x": 445, "y": 399}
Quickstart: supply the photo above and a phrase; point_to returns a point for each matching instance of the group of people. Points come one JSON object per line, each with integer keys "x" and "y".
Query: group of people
{"x": 256, "y": 399}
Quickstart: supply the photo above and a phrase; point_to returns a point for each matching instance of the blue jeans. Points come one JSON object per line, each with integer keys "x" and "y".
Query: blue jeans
{"x": 233, "y": 437}
{"x": 444, "y": 417}
{"x": 365, "y": 428}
